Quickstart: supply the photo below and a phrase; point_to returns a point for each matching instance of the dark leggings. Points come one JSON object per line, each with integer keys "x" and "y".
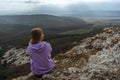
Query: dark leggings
{"x": 40, "y": 76}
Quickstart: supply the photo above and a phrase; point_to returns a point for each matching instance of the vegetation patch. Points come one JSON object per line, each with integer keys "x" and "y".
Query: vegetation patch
{"x": 78, "y": 31}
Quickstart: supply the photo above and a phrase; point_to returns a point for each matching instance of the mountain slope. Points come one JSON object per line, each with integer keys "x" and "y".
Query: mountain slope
{"x": 97, "y": 57}
{"x": 13, "y": 27}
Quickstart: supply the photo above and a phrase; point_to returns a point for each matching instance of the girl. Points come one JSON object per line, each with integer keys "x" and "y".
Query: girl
{"x": 40, "y": 53}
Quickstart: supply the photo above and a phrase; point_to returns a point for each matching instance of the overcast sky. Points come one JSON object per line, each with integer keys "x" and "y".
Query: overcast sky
{"x": 55, "y": 6}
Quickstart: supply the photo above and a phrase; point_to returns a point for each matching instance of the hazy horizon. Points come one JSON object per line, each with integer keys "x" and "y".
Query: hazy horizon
{"x": 60, "y": 7}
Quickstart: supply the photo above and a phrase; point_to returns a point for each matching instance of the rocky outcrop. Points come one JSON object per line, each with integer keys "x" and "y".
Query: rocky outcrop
{"x": 96, "y": 58}
{"x": 15, "y": 57}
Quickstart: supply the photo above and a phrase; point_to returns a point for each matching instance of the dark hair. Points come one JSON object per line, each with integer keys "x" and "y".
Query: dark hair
{"x": 36, "y": 35}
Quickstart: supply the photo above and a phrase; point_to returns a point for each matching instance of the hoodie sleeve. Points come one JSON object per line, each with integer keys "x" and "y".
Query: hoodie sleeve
{"x": 49, "y": 48}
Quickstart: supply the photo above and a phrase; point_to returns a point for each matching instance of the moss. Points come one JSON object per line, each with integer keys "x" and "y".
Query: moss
{"x": 61, "y": 56}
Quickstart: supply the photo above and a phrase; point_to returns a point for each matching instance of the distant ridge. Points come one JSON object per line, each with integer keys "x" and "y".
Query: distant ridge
{"x": 37, "y": 19}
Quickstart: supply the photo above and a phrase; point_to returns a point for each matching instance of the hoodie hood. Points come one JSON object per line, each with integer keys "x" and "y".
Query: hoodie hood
{"x": 38, "y": 47}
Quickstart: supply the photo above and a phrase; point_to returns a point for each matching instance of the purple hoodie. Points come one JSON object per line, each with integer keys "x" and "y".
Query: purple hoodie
{"x": 40, "y": 57}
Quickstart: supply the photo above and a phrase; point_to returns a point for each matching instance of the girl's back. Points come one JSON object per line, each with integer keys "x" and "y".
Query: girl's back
{"x": 40, "y": 57}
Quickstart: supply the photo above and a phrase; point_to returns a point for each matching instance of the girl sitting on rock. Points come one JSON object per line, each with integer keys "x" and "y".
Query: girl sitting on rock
{"x": 39, "y": 52}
